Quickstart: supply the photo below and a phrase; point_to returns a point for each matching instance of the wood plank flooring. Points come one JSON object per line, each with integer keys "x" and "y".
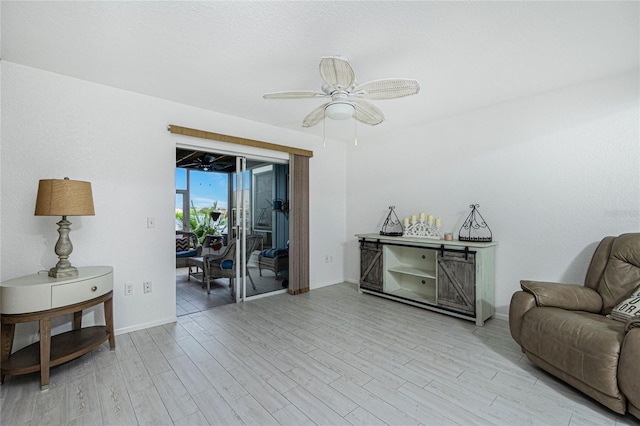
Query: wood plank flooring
{"x": 328, "y": 357}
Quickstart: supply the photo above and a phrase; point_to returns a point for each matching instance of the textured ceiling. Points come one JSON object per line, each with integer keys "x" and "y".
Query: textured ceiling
{"x": 223, "y": 56}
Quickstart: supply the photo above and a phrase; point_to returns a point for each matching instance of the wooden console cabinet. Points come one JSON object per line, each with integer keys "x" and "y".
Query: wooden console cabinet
{"x": 451, "y": 277}
{"x": 39, "y": 297}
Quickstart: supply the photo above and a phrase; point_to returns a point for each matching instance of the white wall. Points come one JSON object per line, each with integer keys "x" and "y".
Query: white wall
{"x": 55, "y": 126}
{"x": 553, "y": 174}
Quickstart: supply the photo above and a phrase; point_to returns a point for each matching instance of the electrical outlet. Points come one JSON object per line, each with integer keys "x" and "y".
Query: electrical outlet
{"x": 128, "y": 289}
{"x": 147, "y": 286}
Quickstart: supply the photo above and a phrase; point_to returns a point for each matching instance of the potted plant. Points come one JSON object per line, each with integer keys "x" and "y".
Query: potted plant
{"x": 207, "y": 221}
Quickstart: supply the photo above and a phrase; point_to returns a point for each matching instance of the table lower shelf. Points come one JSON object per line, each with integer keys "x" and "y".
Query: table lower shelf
{"x": 64, "y": 347}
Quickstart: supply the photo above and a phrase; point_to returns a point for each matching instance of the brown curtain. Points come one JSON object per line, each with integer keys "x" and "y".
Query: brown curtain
{"x": 299, "y": 224}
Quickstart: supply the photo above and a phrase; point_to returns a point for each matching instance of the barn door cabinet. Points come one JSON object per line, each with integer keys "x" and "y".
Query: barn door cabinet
{"x": 450, "y": 277}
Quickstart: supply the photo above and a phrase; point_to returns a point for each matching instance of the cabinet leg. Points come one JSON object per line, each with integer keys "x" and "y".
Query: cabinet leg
{"x": 108, "y": 318}
{"x": 6, "y": 344}
{"x": 77, "y": 320}
{"x": 45, "y": 352}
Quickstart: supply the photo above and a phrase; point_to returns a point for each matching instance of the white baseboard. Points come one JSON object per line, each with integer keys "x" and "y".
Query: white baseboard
{"x": 137, "y": 327}
{"x": 320, "y": 285}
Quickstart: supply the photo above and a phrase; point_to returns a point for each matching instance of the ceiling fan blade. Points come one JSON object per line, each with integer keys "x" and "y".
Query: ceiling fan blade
{"x": 314, "y": 116}
{"x": 368, "y": 113}
{"x": 185, "y": 156}
{"x": 388, "y": 88}
{"x": 337, "y": 72}
{"x": 294, "y": 94}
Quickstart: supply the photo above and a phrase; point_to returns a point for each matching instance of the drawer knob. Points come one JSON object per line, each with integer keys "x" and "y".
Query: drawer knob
{"x": 424, "y": 282}
{"x": 424, "y": 257}
{"x": 94, "y": 288}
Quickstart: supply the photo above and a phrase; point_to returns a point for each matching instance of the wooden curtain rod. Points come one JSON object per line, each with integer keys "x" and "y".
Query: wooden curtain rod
{"x": 178, "y": 130}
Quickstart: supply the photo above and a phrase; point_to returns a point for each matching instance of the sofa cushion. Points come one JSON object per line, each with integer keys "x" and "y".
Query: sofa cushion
{"x": 273, "y": 252}
{"x": 622, "y": 273}
{"x": 187, "y": 253}
{"x": 584, "y": 345}
{"x": 628, "y": 308}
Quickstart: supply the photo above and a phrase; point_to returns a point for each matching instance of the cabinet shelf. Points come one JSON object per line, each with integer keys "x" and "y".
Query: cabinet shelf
{"x": 411, "y": 270}
{"x": 423, "y": 297}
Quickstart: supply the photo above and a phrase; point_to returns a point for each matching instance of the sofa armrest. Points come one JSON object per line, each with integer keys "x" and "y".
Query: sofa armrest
{"x": 521, "y": 303}
{"x": 571, "y": 297}
{"x": 629, "y": 364}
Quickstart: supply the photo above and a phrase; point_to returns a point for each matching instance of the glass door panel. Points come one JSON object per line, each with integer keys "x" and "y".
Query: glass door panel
{"x": 268, "y": 265}
{"x": 181, "y": 221}
{"x": 182, "y": 200}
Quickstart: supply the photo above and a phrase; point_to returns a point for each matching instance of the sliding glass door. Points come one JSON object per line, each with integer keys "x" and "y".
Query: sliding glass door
{"x": 261, "y": 228}
{"x": 228, "y": 199}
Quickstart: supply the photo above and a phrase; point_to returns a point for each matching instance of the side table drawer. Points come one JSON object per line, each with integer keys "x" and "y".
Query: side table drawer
{"x": 80, "y": 291}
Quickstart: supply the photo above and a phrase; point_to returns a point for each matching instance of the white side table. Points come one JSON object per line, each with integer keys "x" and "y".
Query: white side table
{"x": 39, "y": 297}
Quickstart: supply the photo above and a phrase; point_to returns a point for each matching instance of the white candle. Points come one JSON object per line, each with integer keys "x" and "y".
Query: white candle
{"x": 413, "y": 218}
{"x": 406, "y": 221}
{"x": 430, "y": 218}
{"x": 438, "y": 221}
{"x": 421, "y": 215}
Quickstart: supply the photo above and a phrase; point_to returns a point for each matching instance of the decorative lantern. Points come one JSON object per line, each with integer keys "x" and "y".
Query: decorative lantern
{"x": 392, "y": 226}
{"x": 474, "y": 227}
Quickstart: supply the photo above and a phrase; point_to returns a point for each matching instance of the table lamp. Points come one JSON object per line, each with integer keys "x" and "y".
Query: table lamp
{"x": 64, "y": 197}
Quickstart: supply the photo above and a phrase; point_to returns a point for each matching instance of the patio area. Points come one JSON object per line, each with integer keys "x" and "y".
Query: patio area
{"x": 192, "y": 298}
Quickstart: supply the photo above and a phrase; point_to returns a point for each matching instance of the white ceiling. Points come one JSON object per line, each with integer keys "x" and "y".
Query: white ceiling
{"x": 223, "y": 56}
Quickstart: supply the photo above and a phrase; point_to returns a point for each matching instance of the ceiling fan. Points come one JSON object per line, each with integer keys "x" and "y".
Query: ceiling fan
{"x": 205, "y": 162}
{"x": 348, "y": 97}
{"x": 209, "y": 162}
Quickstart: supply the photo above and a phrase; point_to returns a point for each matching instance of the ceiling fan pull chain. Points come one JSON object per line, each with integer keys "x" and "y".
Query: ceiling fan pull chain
{"x": 355, "y": 132}
{"x": 324, "y": 131}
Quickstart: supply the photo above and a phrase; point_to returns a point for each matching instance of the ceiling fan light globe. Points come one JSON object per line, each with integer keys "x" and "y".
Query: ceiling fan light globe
{"x": 339, "y": 111}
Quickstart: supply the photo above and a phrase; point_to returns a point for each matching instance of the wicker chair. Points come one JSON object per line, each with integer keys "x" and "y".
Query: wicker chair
{"x": 223, "y": 265}
{"x": 275, "y": 260}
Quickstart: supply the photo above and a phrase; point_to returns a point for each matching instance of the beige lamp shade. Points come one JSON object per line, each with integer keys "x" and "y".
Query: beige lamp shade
{"x": 64, "y": 197}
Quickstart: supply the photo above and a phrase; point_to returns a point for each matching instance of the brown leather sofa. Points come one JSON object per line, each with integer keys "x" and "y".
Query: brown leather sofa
{"x": 564, "y": 328}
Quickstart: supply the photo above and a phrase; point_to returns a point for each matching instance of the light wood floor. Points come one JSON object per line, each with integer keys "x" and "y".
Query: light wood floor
{"x": 328, "y": 357}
